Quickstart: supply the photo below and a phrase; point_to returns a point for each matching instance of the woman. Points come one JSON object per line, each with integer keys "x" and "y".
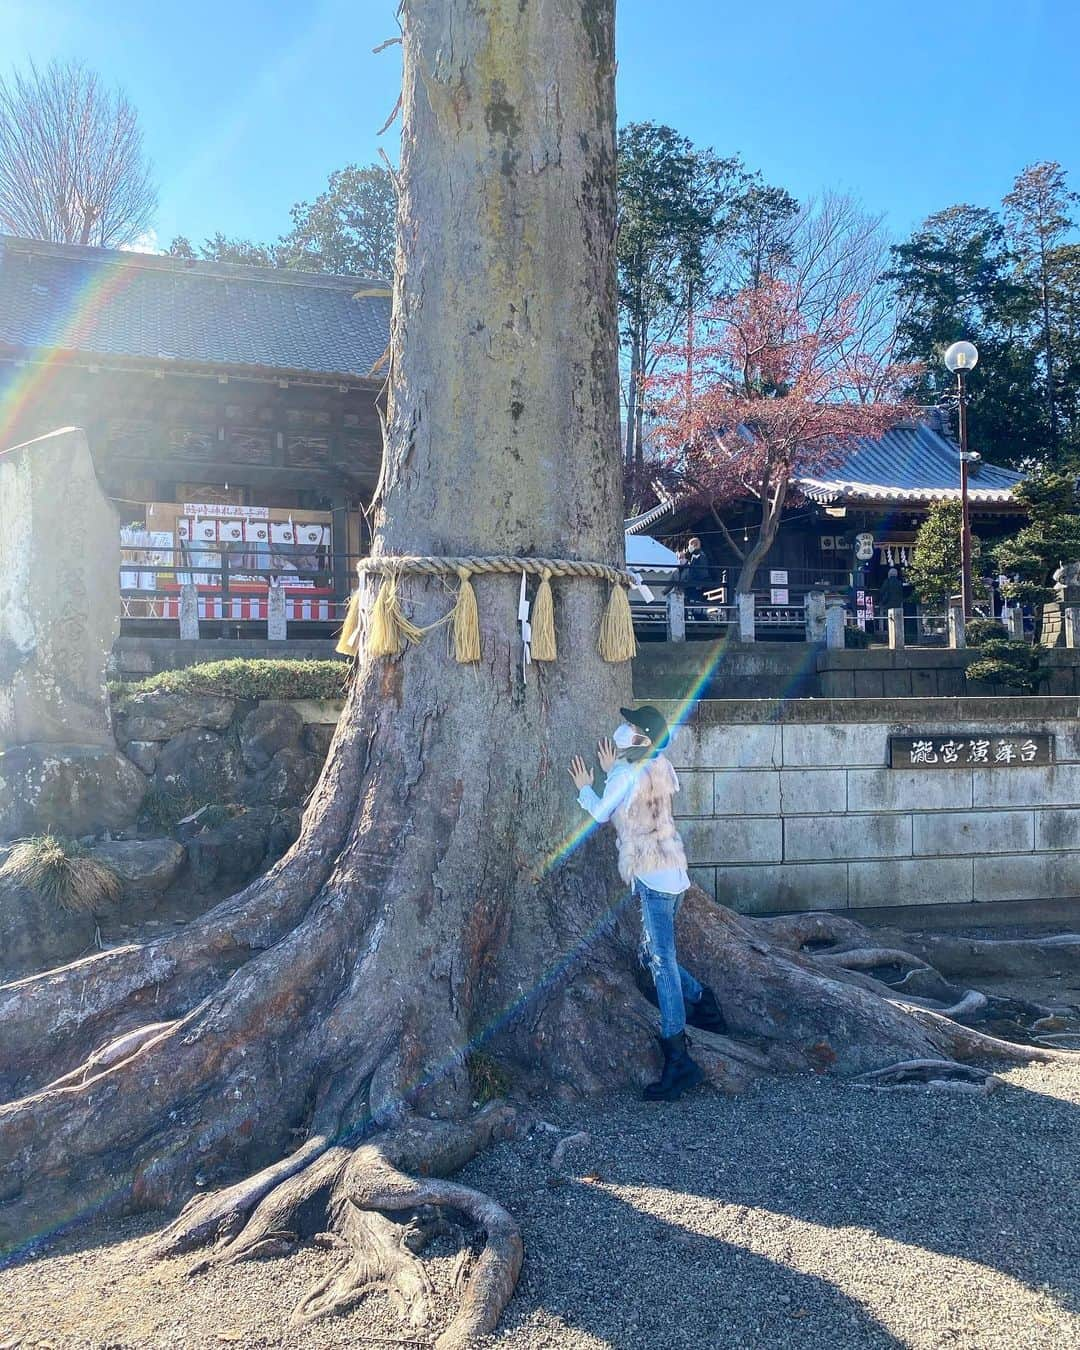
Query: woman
{"x": 640, "y": 783}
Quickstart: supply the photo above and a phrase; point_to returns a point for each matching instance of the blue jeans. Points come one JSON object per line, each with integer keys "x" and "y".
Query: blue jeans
{"x": 675, "y": 987}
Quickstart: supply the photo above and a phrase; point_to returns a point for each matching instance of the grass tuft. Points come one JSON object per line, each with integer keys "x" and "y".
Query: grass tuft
{"x": 487, "y": 1078}
{"x": 62, "y": 872}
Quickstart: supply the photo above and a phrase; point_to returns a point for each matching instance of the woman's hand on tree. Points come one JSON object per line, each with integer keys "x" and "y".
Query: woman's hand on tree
{"x": 607, "y": 754}
{"x": 580, "y": 773}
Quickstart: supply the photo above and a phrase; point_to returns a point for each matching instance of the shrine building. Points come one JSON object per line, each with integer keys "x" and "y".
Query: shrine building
{"x": 230, "y": 411}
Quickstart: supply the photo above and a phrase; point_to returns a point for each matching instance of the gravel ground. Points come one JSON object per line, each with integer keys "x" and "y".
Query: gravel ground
{"x": 801, "y": 1214}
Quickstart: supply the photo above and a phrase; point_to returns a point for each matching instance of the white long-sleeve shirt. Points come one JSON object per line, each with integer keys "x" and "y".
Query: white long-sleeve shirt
{"x": 621, "y": 782}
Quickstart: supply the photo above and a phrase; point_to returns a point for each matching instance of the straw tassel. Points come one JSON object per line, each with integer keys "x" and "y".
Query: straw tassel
{"x": 617, "y": 641}
{"x": 389, "y": 628}
{"x": 466, "y": 621}
{"x": 542, "y": 644}
{"x": 346, "y": 643}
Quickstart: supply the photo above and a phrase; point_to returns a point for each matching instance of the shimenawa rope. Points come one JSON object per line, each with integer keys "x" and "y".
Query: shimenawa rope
{"x": 388, "y": 628}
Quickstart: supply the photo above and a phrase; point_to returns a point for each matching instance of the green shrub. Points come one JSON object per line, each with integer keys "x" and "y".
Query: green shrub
{"x": 164, "y": 808}
{"x": 978, "y": 632}
{"x": 1010, "y": 663}
{"x": 246, "y": 680}
{"x": 61, "y": 871}
{"x": 856, "y": 638}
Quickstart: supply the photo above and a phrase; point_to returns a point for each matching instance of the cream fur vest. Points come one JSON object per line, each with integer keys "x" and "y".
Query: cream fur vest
{"x": 645, "y": 826}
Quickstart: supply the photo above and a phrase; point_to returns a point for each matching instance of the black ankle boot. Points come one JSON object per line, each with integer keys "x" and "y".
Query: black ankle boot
{"x": 705, "y": 1014}
{"x": 680, "y": 1071}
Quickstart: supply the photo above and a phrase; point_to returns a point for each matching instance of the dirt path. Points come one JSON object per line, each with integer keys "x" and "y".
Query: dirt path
{"x": 803, "y": 1214}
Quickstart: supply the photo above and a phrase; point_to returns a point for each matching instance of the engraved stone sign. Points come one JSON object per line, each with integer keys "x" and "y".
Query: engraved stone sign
{"x": 961, "y": 750}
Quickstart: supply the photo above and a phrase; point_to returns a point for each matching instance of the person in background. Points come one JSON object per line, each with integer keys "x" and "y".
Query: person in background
{"x": 637, "y": 798}
{"x": 891, "y": 596}
{"x": 692, "y": 575}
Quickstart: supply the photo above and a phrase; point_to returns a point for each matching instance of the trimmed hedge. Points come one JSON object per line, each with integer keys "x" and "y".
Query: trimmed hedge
{"x": 246, "y": 680}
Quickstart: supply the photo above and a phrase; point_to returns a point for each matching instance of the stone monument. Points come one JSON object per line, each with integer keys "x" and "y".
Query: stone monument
{"x": 59, "y": 617}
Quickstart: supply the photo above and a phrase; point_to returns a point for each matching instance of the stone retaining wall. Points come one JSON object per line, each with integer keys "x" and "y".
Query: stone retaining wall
{"x": 790, "y": 806}
{"x": 732, "y": 670}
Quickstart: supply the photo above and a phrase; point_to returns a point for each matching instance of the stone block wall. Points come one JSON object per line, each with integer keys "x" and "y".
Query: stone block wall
{"x": 791, "y": 806}
{"x": 793, "y": 670}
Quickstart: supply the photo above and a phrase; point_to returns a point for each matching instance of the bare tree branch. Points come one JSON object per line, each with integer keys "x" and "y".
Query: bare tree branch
{"x": 72, "y": 165}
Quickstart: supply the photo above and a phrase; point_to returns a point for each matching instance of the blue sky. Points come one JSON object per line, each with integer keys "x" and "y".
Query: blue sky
{"x": 247, "y": 107}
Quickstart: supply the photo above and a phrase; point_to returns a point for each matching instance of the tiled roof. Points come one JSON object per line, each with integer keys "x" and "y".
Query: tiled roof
{"x": 915, "y": 462}
{"x": 105, "y": 303}
{"x": 636, "y": 524}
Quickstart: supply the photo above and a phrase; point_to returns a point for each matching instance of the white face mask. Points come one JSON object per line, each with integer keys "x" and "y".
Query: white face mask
{"x": 624, "y": 736}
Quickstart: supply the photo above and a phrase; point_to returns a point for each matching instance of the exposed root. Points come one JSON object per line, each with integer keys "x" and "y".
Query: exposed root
{"x": 558, "y": 1156}
{"x": 373, "y": 1183}
{"x": 1058, "y": 954}
{"x": 1062, "y": 1040}
{"x": 927, "y": 1073}
{"x": 345, "y": 1198}
{"x": 871, "y": 958}
{"x": 379, "y": 1259}
{"x": 222, "y": 1216}
{"x": 925, "y": 983}
{"x": 50, "y": 1023}
{"x": 113, "y": 1052}
{"x": 796, "y": 931}
{"x": 965, "y": 1043}
{"x": 970, "y": 1005}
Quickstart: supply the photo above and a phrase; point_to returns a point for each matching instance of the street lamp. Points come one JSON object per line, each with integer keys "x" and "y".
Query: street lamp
{"x": 960, "y": 358}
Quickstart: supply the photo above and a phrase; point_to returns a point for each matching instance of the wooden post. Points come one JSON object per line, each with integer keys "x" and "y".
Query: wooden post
{"x": 745, "y": 601}
{"x": 1013, "y": 618}
{"x": 343, "y": 567}
{"x": 956, "y": 623}
{"x": 676, "y": 617}
{"x": 835, "y": 620}
{"x": 896, "y": 629}
{"x": 189, "y": 611}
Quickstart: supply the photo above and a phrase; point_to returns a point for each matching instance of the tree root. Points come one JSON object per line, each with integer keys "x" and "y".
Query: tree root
{"x": 558, "y": 1156}
{"x": 1058, "y": 954}
{"x": 230, "y": 1082}
{"x": 344, "y": 1196}
{"x": 379, "y": 1260}
{"x": 871, "y": 958}
{"x": 113, "y": 1052}
{"x": 965, "y": 1043}
{"x": 930, "y": 1073}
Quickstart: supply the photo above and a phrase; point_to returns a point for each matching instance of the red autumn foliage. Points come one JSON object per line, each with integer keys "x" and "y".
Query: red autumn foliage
{"x": 768, "y": 397}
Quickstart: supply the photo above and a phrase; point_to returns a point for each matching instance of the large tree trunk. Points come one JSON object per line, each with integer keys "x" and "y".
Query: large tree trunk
{"x": 314, "y": 1036}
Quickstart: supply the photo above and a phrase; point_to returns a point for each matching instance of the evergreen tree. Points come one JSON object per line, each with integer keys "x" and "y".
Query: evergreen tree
{"x": 1051, "y": 537}
{"x": 954, "y": 279}
{"x": 1037, "y": 219}
{"x": 672, "y": 203}
{"x": 219, "y": 248}
{"x": 348, "y": 229}
{"x": 936, "y": 561}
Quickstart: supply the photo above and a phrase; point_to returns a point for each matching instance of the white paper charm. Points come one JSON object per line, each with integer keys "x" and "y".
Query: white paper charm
{"x": 526, "y": 628}
{"x": 639, "y": 586}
